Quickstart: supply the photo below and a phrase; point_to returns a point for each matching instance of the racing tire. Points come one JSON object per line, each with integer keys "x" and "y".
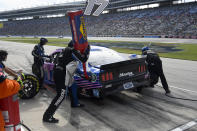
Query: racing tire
{"x": 30, "y": 87}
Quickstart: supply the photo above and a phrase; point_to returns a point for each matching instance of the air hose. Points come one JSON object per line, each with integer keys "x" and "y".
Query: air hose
{"x": 21, "y": 123}
{"x": 180, "y": 98}
{"x": 25, "y": 126}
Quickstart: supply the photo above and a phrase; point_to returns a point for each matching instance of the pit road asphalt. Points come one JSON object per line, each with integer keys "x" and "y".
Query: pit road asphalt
{"x": 125, "y": 111}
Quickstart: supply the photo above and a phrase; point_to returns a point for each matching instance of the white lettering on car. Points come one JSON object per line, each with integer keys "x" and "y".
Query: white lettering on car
{"x": 126, "y": 74}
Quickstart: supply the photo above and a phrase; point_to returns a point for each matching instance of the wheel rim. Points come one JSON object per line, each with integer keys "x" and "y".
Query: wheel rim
{"x": 28, "y": 87}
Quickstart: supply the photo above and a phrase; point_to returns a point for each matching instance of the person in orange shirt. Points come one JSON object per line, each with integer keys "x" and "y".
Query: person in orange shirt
{"x": 7, "y": 87}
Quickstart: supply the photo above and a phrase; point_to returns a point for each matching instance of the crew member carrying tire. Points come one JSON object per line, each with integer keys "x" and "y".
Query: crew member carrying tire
{"x": 155, "y": 68}
{"x": 39, "y": 54}
{"x": 7, "y": 87}
{"x": 64, "y": 71}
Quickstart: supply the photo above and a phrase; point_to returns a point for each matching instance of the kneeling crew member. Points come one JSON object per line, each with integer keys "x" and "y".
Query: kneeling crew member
{"x": 155, "y": 68}
{"x": 64, "y": 70}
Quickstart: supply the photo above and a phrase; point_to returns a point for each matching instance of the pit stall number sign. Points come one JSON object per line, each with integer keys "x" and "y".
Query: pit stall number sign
{"x": 102, "y": 5}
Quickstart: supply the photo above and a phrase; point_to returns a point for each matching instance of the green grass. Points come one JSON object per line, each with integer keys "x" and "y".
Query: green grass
{"x": 189, "y": 50}
{"x": 189, "y": 53}
{"x": 52, "y": 41}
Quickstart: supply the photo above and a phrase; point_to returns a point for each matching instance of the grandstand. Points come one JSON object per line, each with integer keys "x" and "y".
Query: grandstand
{"x": 126, "y": 18}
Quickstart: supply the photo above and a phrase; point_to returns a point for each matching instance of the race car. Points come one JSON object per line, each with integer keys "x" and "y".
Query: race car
{"x": 109, "y": 72}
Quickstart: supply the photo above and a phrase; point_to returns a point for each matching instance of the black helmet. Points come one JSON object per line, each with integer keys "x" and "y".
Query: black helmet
{"x": 43, "y": 41}
{"x": 70, "y": 44}
{"x": 3, "y": 55}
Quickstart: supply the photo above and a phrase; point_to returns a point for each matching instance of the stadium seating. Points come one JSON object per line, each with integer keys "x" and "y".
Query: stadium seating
{"x": 178, "y": 21}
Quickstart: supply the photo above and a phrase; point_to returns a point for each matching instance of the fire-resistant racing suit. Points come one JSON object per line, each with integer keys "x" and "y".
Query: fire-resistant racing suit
{"x": 64, "y": 71}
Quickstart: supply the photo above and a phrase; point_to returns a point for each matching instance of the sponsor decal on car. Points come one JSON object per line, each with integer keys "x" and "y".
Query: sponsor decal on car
{"x": 95, "y": 50}
{"x": 108, "y": 86}
{"x": 82, "y": 28}
{"x": 126, "y": 74}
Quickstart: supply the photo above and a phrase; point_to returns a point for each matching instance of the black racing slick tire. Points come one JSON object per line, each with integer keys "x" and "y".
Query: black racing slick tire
{"x": 30, "y": 87}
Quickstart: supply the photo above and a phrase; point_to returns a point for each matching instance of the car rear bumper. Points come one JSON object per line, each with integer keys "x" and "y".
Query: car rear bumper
{"x": 138, "y": 81}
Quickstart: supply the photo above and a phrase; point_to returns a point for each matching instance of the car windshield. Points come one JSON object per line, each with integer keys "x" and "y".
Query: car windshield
{"x": 102, "y": 55}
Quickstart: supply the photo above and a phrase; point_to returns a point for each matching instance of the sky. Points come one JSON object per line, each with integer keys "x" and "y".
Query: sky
{"x": 18, "y": 4}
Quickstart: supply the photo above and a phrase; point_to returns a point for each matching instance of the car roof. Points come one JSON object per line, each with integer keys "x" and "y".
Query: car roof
{"x": 102, "y": 55}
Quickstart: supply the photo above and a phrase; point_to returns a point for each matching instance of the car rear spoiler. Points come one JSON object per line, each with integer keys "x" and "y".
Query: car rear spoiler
{"x": 122, "y": 63}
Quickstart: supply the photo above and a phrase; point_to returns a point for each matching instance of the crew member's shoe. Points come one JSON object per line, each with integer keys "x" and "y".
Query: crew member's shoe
{"x": 51, "y": 120}
{"x": 168, "y": 92}
{"x": 78, "y": 105}
{"x": 152, "y": 86}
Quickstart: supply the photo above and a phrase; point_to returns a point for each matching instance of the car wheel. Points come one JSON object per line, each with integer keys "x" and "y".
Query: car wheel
{"x": 30, "y": 87}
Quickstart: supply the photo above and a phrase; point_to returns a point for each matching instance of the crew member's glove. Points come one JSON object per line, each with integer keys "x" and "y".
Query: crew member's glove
{"x": 19, "y": 80}
{"x": 22, "y": 76}
{"x": 47, "y": 59}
